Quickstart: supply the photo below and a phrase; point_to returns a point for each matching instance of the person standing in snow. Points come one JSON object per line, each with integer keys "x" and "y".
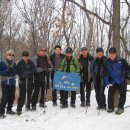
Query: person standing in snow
{"x": 116, "y": 78}
{"x": 69, "y": 64}
{"x": 26, "y": 70}
{"x": 56, "y": 59}
{"x": 98, "y": 74}
{"x": 41, "y": 62}
{"x": 86, "y": 77}
{"x": 7, "y": 73}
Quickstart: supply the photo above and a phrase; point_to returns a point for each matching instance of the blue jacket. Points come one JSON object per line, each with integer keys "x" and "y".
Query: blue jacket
{"x": 7, "y": 77}
{"x": 116, "y": 71}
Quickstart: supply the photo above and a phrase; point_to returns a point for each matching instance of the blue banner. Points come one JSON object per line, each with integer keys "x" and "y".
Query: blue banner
{"x": 66, "y": 81}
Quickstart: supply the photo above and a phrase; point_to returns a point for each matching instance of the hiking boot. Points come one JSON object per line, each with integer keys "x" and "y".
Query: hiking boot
{"x": 42, "y": 105}
{"x": 82, "y": 104}
{"x": 88, "y": 104}
{"x": 61, "y": 102}
{"x": 33, "y": 108}
{"x": 119, "y": 111}
{"x": 110, "y": 110}
{"x": 103, "y": 108}
{"x": 28, "y": 109}
{"x": 73, "y": 105}
{"x": 19, "y": 113}
{"x": 10, "y": 112}
{"x": 2, "y": 116}
{"x": 64, "y": 106}
{"x": 54, "y": 104}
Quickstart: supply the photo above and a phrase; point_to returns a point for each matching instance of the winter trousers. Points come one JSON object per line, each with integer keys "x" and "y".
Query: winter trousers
{"x": 8, "y": 96}
{"x": 39, "y": 85}
{"x": 64, "y": 97}
{"x": 122, "y": 92}
{"x": 23, "y": 90}
{"x": 54, "y": 95}
{"x": 100, "y": 96}
{"x": 54, "y": 91}
{"x": 87, "y": 86}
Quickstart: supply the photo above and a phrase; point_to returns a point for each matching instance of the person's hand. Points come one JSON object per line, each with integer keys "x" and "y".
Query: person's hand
{"x": 78, "y": 73}
{"x": 109, "y": 85}
{"x": 39, "y": 69}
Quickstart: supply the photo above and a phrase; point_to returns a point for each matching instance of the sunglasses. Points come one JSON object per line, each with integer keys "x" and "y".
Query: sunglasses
{"x": 69, "y": 52}
{"x": 10, "y": 54}
{"x": 43, "y": 50}
{"x": 25, "y": 55}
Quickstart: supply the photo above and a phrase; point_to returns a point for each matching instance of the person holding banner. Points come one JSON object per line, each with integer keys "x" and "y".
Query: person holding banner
{"x": 41, "y": 62}
{"x": 26, "y": 70}
{"x": 8, "y": 82}
{"x": 98, "y": 73}
{"x": 86, "y": 76}
{"x": 56, "y": 59}
{"x": 69, "y": 64}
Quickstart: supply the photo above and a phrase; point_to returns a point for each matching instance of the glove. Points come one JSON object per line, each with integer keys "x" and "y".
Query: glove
{"x": 78, "y": 73}
{"x": 109, "y": 85}
{"x": 39, "y": 69}
{"x": 10, "y": 69}
{"x": 91, "y": 80}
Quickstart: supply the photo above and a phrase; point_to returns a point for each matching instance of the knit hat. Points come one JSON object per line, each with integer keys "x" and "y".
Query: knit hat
{"x": 25, "y": 53}
{"x": 10, "y": 51}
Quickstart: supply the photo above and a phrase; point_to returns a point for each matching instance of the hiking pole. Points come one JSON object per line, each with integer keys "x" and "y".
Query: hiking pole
{"x": 127, "y": 106}
{"x": 26, "y": 94}
{"x": 0, "y": 90}
{"x": 44, "y": 111}
{"x": 99, "y": 110}
{"x": 46, "y": 70}
{"x": 86, "y": 109}
{"x": 45, "y": 90}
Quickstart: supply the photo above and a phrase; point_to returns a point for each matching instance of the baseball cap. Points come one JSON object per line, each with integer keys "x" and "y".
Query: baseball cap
{"x": 69, "y": 50}
{"x": 83, "y": 48}
{"x": 112, "y": 50}
{"x": 99, "y": 49}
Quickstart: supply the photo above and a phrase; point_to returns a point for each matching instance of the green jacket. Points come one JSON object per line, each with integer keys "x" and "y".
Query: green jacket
{"x": 74, "y": 65}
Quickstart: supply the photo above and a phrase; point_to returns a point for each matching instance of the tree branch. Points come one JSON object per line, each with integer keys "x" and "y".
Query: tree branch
{"x": 90, "y": 12}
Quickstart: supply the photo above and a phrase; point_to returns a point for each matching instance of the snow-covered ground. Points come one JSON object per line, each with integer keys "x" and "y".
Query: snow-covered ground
{"x": 69, "y": 118}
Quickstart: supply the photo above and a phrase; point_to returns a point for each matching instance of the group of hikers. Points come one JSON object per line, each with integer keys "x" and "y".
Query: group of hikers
{"x": 111, "y": 72}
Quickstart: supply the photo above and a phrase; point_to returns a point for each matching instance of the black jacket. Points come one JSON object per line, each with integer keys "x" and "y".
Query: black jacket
{"x": 85, "y": 64}
{"x": 26, "y": 71}
{"x": 98, "y": 69}
{"x": 41, "y": 63}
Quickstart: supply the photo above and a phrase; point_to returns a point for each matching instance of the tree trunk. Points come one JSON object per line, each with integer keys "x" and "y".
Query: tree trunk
{"x": 116, "y": 24}
{"x": 116, "y": 37}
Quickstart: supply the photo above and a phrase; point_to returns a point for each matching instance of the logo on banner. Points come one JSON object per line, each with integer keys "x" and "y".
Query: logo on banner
{"x": 66, "y": 81}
